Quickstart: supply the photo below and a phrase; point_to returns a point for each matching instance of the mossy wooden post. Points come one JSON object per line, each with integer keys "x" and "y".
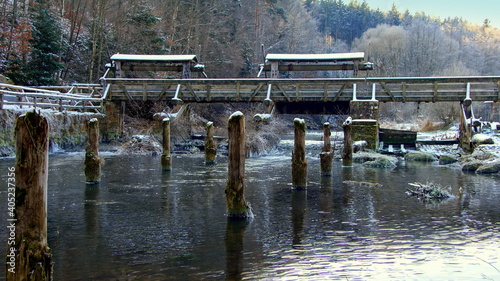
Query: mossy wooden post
{"x": 92, "y": 159}
{"x": 299, "y": 161}
{"x": 210, "y": 147}
{"x": 326, "y": 155}
{"x": 235, "y": 189}
{"x": 347, "y": 152}
{"x": 166, "y": 158}
{"x": 465, "y": 128}
{"x": 30, "y": 258}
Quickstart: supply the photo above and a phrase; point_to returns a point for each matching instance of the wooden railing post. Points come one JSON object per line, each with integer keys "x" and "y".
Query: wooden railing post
{"x": 29, "y": 256}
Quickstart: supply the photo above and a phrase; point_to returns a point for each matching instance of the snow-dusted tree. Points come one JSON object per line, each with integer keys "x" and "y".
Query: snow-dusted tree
{"x": 385, "y": 46}
{"x": 429, "y": 49}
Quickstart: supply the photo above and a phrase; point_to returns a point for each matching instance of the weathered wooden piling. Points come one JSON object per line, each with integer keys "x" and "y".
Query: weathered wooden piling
{"x": 210, "y": 146}
{"x": 28, "y": 256}
{"x": 237, "y": 207}
{"x": 92, "y": 159}
{"x": 347, "y": 152}
{"x": 299, "y": 161}
{"x": 326, "y": 155}
{"x": 166, "y": 158}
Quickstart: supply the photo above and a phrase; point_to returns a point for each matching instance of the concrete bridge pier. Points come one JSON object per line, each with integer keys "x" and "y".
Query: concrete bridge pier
{"x": 365, "y": 123}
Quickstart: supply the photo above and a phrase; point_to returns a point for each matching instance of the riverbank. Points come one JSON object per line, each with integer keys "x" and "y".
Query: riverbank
{"x": 143, "y": 136}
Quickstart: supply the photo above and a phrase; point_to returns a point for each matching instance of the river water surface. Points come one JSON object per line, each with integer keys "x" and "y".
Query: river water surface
{"x": 141, "y": 223}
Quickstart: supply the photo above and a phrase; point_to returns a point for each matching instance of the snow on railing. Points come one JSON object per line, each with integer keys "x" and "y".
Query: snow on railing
{"x": 77, "y": 97}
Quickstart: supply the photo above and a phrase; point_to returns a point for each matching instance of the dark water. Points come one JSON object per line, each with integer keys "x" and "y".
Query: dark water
{"x": 142, "y": 224}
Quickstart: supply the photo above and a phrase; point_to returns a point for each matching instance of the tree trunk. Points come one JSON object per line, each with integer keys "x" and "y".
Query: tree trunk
{"x": 32, "y": 256}
{"x": 326, "y": 155}
{"x": 235, "y": 189}
{"x": 347, "y": 152}
{"x": 166, "y": 158}
{"x": 92, "y": 159}
{"x": 299, "y": 161}
{"x": 210, "y": 147}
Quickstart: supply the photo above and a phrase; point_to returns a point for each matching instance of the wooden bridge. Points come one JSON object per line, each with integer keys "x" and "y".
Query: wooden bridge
{"x": 84, "y": 97}
{"x": 411, "y": 89}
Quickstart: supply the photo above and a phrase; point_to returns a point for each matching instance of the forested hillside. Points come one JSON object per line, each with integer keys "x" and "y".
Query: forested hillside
{"x": 60, "y": 42}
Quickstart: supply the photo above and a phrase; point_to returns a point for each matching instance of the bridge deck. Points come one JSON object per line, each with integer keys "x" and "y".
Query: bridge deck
{"x": 82, "y": 97}
{"x": 411, "y": 89}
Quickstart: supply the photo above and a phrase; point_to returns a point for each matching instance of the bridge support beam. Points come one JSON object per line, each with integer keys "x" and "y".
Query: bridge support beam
{"x": 365, "y": 126}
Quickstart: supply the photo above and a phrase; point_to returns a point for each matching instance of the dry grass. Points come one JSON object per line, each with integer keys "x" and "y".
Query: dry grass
{"x": 429, "y": 126}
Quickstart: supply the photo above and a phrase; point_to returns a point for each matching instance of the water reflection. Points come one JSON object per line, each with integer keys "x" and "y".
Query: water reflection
{"x": 91, "y": 209}
{"x": 142, "y": 224}
{"x": 299, "y": 207}
{"x": 235, "y": 230}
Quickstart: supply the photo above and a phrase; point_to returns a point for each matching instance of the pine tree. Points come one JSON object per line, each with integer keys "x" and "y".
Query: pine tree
{"x": 46, "y": 46}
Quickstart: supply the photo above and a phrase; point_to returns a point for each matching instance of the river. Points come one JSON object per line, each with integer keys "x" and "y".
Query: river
{"x": 141, "y": 223}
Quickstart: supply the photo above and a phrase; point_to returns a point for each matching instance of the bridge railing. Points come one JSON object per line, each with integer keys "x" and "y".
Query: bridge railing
{"x": 432, "y": 89}
{"x": 75, "y": 98}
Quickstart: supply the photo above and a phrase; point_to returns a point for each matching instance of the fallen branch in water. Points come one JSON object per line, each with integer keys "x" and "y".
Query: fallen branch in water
{"x": 429, "y": 191}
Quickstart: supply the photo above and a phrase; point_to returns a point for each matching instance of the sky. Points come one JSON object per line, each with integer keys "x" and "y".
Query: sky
{"x": 473, "y": 11}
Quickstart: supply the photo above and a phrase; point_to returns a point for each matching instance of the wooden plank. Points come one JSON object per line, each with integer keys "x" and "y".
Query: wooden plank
{"x": 144, "y": 92}
{"x": 340, "y": 92}
{"x": 164, "y": 91}
{"x": 387, "y": 90}
{"x": 283, "y": 92}
{"x": 404, "y": 91}
{"x": 498, "y": 91}
{"x": 435, "y": 90}
{"x": 238, "y": 90}
{"x": 190, "y": 88}
{"x": 124, "y": 88}
{"x": 259, "y": 87}
{"x": 325, "y": 92}
{"x": 209, "y": 92}
{"x": 297, "y": 92}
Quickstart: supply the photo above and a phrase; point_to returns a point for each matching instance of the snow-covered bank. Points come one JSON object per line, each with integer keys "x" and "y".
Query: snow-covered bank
{"x": 67, "y": 129}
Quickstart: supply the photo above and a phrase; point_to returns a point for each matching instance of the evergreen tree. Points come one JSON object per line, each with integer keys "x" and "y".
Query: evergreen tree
{"x": 46, "y": 46}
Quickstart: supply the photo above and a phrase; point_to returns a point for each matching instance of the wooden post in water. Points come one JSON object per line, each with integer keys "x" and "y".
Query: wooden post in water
{"x": 28, "y": 256}
{"x": 326, "y": 155}
{"x": 347, "y": 152}
{"x": 237, "y": 207}
{"x": 92, "y": 159}
{"x": 299, "y": 161}
{"x": 210, "y": 147}
{"x": 166, "y": 158}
